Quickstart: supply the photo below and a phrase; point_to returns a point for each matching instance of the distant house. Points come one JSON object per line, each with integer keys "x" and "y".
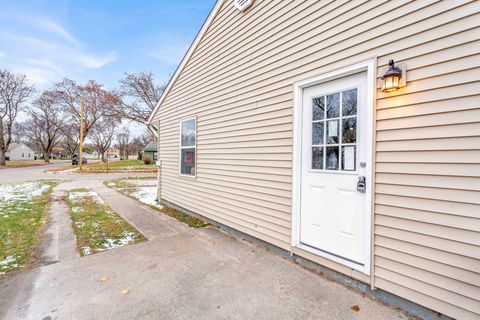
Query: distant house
{"x": 19, "y": 151}
{"x": 93, "y": 155}
{"x": 59, "y": 153}
{"x": 150, "y": 150}
{"x": 113, "y": 153}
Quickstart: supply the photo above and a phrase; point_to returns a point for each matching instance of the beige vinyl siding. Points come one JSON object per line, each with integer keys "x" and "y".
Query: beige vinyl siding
{"x": 239, "y": 84}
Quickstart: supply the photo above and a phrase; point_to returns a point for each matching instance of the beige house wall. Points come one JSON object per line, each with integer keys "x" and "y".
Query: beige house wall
{"x": 239, "y": 85}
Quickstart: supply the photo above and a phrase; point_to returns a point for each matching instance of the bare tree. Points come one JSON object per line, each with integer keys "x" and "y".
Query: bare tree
{"x": 146, "y": 138}
{"x": 123, "y": 143}
{"x": 137, "y": 145}
{"x": 138, "y": 95}
{"x": 14, "y": 93}
{"x": 102, "y": 135}
{"x": 19, "y": 133}
{"x": 70, "y": 137}
{"x": 98, "y": 102}
{"x": 45, "y": 123}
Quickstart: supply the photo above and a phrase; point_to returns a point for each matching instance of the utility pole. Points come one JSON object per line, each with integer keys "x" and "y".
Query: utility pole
{"x": 80, "y": 160}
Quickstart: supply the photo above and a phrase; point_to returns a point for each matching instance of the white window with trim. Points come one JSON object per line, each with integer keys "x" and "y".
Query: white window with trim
{"x": 188, "y": 147}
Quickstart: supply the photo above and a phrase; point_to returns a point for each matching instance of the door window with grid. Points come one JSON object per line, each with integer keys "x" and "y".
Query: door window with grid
{"x": 334, "y": 131}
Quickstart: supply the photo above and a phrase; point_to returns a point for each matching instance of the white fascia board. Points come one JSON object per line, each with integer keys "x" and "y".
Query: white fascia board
{"x": 187, "y": 56}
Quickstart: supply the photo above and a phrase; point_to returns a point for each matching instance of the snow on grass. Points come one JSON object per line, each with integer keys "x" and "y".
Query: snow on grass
{"x": 127, "y": 238}
{"x": 86, "y": 251}
{"x": 76, "y": 196}
{"x": 141, "y": 182}
{"x": 143, "y": 190}
{"x": 146, "y": 195}
{"x": 20, "y": 193}
{"x": 10, "y": 263}
{"x": 22, "y": 214}
{"x": 97, "y": 226}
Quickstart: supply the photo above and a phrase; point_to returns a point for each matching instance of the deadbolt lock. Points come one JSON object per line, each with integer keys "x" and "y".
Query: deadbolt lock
{"x": 361, "y": 184}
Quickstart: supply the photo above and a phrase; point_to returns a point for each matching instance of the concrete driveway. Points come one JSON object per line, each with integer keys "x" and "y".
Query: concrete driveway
{"x": 179, "y": 273}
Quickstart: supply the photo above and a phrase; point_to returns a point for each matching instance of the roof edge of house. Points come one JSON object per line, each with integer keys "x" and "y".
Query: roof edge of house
{"x": 186, "y": 57}
{"x": 15, "y": 145}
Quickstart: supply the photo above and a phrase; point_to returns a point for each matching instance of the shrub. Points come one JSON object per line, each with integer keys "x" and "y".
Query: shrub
{"x": 147, "y": 160}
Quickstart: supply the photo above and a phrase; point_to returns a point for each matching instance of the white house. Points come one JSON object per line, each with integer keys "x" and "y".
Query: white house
{"x": 19, "y": 151}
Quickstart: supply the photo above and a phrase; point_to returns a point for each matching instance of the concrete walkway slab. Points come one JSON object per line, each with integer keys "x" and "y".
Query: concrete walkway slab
{"x": 180, "y": 273}
{"x": 59, "y": 242}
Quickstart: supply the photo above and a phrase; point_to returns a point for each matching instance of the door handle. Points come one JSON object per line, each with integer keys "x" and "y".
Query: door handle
{"x": 361, "y": 184}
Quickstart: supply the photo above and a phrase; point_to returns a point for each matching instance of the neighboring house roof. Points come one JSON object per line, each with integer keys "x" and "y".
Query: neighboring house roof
{"x": 151, "y": 147}
{"x": 187, "y": 56}
{"x": 13, "y": 146}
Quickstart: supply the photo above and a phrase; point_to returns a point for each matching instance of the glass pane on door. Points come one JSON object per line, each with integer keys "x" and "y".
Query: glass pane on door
{"x": 349, "y": 130}
{"x": 318, "y": 108}
{"x": 332, "y": 158}
{"x": 349, "y": 102}
{"x": 333, "y": 105}
{"x": 317, "y": 158}
{"x": 334, "y": 131}
{"x": 317, "y": 133}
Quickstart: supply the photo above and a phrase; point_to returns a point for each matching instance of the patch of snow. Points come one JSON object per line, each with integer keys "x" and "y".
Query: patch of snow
{"x": 86, "y": 251}
{"x": 127, "y": 238}
{"x": 76, "y": 196}
{"x": 141, "y": 182}
{"x": 147, "y": 195}
{"x": 111, "y": 184}
{"x": 8, "y": 263}
{"x": 22, "y": 192}
{"x": 76, "y": 209}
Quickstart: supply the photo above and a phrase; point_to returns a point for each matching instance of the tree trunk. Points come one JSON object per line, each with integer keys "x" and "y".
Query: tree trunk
{"x": 2, "y": 145}
{"x": 103, "y": 157}
{"x": 46, "y": 157}
{"x": 2, "y": 157}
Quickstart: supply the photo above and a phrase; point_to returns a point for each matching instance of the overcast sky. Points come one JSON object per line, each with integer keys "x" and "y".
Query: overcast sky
{"x": 91, "y": 39}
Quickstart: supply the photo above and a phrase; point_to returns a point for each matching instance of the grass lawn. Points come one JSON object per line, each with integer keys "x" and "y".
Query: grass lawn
{"x": 144, "y": 190}
{"x": 22, "y": 214}
{"x": 26, "y": 163}
{"x": 119, "y": 166}
{"x": 97, "y": 226}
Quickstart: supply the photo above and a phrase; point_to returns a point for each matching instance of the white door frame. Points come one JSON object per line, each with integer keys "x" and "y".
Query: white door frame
{"x": 369, "y": 67}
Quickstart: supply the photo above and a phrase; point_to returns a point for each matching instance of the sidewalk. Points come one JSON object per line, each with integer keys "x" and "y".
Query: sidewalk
{"x": 180, "y": 273}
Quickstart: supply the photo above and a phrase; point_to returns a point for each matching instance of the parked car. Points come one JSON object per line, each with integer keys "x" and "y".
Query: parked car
{"x": 75, "y": 160}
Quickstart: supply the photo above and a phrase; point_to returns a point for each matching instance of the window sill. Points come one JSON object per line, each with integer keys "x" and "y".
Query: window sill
{"x": 188, "y": 176}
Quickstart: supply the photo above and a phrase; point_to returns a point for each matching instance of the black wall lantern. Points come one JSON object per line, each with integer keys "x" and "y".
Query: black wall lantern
{"x": 391, "y": 78}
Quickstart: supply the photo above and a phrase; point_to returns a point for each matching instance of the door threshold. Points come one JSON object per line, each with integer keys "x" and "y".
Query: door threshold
{"x": 324, "y": 254}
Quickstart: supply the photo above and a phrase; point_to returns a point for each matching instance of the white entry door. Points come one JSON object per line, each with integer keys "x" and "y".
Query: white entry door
{"x": 334, "y": 154}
